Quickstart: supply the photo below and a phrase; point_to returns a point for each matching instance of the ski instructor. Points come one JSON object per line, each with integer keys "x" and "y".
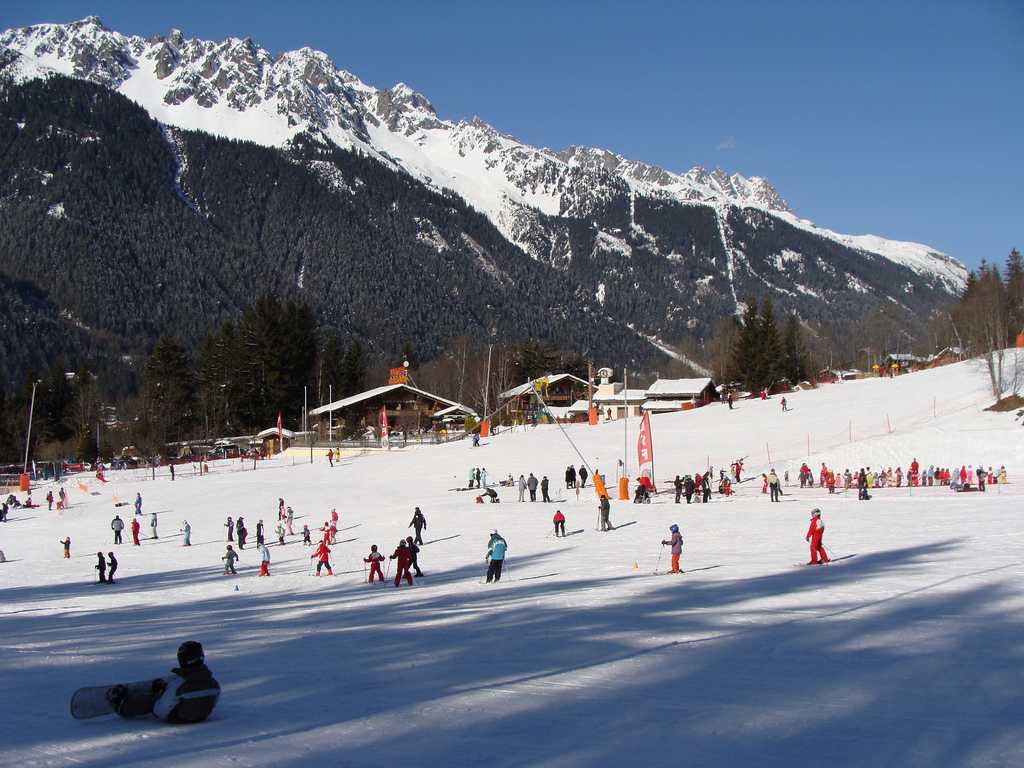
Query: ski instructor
{"x": 187, "y": 695}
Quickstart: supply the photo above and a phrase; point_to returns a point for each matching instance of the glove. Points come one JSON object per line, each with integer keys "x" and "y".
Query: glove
{"x": 159, "y": 686}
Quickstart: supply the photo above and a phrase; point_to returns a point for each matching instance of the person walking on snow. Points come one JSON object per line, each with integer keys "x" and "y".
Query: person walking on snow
{"x": 186, "y": 532}
{"x": 495, "y": 557}
{"x": 679, "y": 488}
{"x": 583, "y": 476}
{"x": 230, "y": 525}
{"x": 101, "y": 566}
{"x": 677, "y": 547}
{"x": 531, "y": 485}
{"x": 419, "y": 522}
{"x": 230, "y": 556}
{"x": 330, "y": 457}
{"x": 288, "y": 519}
{"x": 279, "y": 530}
{"x": 544, "y": 489}
{"x": 404, "y": 558}
{"x": 374, "y": 559}
{"x": 784, "y": 408}
{"x": 117, "y": 525}
{"x": 307, "y": 539}
{"x": 138, "y": 504}
{"x": 323, "y": 556}
{"x": 414, "y": 552}
{"x": 111, "y": 567}
{"x": 815, "y": 533}
{"x": 559, "y": 521}
{"x": 264, "y": 560}
{"x": 152, "y": 525}
{"x": 66, "y": 541}
{"x": 241, "y": 532}
{"x": 774, "y": 486}
{"x": 135, "y": 531}
{"x": 570, "y": 477}
{"x": 472, "y": 477}
{"x": 259, "y": 533}
{"x": 606, "y": 510}
{"x": 522, "y": 487}
{"x": 49, "y": 500}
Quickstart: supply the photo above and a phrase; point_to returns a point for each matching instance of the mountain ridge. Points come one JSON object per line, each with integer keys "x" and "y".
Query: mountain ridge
{"x": 237, "y": 89}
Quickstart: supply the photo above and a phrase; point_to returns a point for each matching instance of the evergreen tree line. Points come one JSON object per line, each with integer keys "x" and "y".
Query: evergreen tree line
{"x": 760, "y": 356}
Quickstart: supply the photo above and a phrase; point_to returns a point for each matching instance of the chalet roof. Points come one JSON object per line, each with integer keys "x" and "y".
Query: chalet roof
{"x": 369, "y": 394}
{"x": 522, "y": 389}
{"x": 678, "y": 387}
{"x": 632, "y": 396}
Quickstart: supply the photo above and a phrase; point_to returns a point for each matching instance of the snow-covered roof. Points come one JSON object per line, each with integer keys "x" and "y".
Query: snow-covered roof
{"x": 453, "y": 409}
{"x": 580, "y": 406}
{"x": 632, "y": 396}
{"x": 678, "y": 387}
{"x": 522, "y": 389}
{"x": 346, "y": 402}
{"x": 665, "y": 405}
{"x": 272, "y": 432}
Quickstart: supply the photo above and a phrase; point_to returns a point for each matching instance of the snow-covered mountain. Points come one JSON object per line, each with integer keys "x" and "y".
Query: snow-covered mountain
{"x": 235, "y": 89}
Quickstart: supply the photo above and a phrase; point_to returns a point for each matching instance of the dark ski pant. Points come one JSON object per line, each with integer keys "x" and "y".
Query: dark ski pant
{"x": 416, "y": 567}
{"x": 560, "y": 526}
{"x": 494, "y": 570}
{"x": 419, "y": 535}
{"x": 544, "y": 494}
{"x": 117, "y": 537}
{"x": 775, "y": 491}
{"x": 137, "y": 703}
{"x": 606, "y": 524}
{"x": 110, "y": 574}
{"x": 533, "y": 494}
{"x": 324, "y": 564}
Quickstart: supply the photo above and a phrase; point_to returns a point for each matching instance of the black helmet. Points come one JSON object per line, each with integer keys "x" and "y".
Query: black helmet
{"x": 189, "y": 653}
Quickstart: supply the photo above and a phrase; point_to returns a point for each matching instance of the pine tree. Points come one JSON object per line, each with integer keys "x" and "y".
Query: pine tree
{"x": 1014, "y": 280}
{"x": 770, "y": 348}
{"x": 746, "y": 358}
{"x": 353, "y": 369}
{"x": 793, "y": 352}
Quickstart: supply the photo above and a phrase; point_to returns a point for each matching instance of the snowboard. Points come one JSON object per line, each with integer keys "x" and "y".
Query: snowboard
{"x": 94, "y": 701}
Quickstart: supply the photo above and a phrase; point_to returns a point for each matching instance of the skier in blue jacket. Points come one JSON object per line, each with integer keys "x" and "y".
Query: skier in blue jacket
{"x": 496, "y": 556}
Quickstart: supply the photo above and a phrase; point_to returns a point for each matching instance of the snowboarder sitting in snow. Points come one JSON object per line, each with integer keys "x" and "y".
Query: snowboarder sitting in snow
{"x": 187, "y": 695}
{"x": 491, "y": 495}
{"x": 641, "y": 495}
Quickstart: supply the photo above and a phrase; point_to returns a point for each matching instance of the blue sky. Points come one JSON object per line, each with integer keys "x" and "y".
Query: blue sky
{"x": 902, "y": 119}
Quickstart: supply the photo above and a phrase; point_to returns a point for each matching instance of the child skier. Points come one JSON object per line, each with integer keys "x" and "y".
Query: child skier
{"x": 323, "y": 555}
{"x": 230, "y": 556}
{"x": 135, "y": 531}
{"x": 230, "y": 525}
{"x": 419, "y": 522}
{"x": 374, "y": 559}
{"x": 111, "y": 567}
{"x": 404, "y": 557}
{"x": 186, "y": 532}
{"x": 495, "y": 557}
{"x": 815, "y": 533}
{"x": 152, "y": 524}
{"x": 101, "y": 566}
{"x": 264, "y": 560}
{"x": 677, "y": 547}
{"x": 280, "y": 534}
{"x": 49, "y": 500}
{"x": 414, "y": 552}
{"x": 67, "y": 547}
{"x": 187, "y": 695}
{"x": 306, "y": 538}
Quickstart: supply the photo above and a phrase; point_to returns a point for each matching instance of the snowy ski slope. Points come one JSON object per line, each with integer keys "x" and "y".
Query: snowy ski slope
{"x": 908, "y": 653}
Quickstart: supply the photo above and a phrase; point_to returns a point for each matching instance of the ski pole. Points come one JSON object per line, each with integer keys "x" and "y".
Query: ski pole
{"x": 387, "y": 575}
{"x": 661, "y": 553}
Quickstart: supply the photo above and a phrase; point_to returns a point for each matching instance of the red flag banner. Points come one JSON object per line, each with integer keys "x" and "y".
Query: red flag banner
{"x": 645, "y": 450}
{"x": 280, "y": 433}
{"x": 383, "y": 424}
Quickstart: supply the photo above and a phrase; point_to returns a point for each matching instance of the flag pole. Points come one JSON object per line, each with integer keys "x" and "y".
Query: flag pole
{"x": 625, "y": 428}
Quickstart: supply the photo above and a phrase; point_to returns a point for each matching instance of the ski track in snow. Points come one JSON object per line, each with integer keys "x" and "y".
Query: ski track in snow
{"x": 907, "y": 654}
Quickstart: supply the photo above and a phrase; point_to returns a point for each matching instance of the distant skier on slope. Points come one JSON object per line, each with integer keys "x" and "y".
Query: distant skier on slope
{"x": 677, "y": 547}
{"x": 495, "y": 557}
{"x": 404, "y": 557}
{"x": 323, "y": 558}
{"x": 374, "y": 559}
{"x": 419, "y": 522}
{"x": 815, "y": 533}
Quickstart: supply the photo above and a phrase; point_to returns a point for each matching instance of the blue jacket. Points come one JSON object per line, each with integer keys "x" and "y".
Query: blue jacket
{"x": 498, "y": 550}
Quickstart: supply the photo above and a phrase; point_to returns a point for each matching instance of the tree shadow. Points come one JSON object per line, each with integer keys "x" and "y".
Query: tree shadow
{"x": 527, "y": 672}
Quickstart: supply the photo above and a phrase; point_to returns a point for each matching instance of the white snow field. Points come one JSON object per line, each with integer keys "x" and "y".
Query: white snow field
{"x": 909, "y": 652}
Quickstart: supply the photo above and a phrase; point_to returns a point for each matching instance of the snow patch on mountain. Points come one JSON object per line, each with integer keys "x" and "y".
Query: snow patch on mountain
{"x": 238, "y": 90}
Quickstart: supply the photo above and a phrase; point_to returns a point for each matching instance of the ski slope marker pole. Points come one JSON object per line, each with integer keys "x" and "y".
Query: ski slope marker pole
{"x": 660, "y": 554}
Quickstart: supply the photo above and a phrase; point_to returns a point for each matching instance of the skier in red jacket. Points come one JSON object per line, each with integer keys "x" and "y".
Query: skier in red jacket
{"x": 559, "y": 521}
{"x": 404, "y": 557}
{"x": 814, "y": 535}
{"x": 323, "y": 555}
{"x": 135, "y": 531}
{"x": 374, "y": 559}
{"x": 914, "y": 467}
